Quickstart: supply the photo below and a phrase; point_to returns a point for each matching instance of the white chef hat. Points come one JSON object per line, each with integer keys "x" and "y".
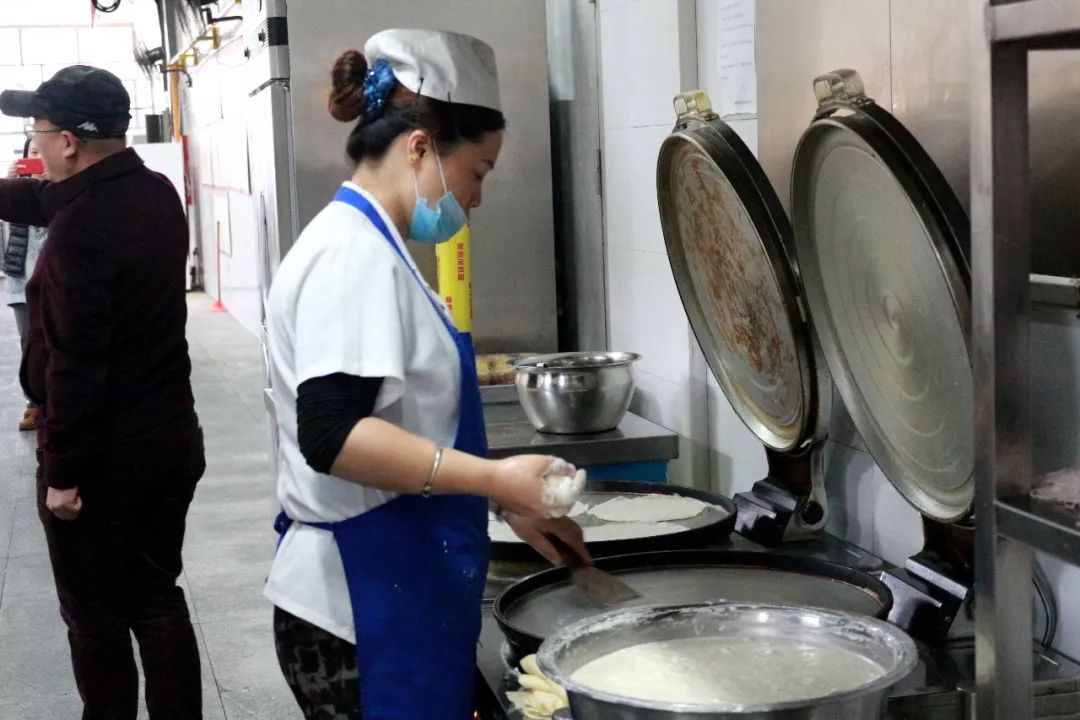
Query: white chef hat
{"x": 441, "y": 65}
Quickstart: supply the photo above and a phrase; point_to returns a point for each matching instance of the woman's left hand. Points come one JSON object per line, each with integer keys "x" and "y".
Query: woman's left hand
{"x": 539, "y": 531}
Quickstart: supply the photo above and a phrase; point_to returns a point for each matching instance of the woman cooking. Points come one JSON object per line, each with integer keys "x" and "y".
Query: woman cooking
{"x": 383, "y": 481}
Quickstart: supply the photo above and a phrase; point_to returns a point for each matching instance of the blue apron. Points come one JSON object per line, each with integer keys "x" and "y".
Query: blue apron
{"x": 416, "y": 568}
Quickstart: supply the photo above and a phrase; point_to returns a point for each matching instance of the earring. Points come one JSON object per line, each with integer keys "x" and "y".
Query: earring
{"x": 413, "y": 158}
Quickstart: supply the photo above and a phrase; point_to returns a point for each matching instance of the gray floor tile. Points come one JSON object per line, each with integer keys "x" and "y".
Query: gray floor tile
{"x": 27, "y": 536}
{"x": 212, "y": 707}
{"x": 52, "y": 704}
{"x": 28, "y": 575}
{"x": 239, "y": 451}
{"x": 7, "y": 525}
{"x": 22, "y": 483}
{"x": 231, "y": 594}
{"x": 247, "y": 671}
{"x": 27, "y": 617}
{"x": 249, "y": 458}
{"x": 241, "y": 532}
{"x": 37, "y": 671}
{"x": 250, "y": 547}
{"x": 217, "y": 488}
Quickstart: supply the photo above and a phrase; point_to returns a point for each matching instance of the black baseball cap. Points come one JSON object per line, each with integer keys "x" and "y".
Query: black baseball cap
{"x": 84, "y": 100}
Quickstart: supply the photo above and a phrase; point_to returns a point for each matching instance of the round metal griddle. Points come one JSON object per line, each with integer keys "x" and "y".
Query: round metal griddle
{"x": 729, "y": 244}
{"x": 531, "y": 609}
{"x": 881, "y": 242}
{"x": 712, "y": 525}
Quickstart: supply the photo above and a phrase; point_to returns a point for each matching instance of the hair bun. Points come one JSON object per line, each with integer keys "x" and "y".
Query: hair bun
{"x": 347, "y": 94}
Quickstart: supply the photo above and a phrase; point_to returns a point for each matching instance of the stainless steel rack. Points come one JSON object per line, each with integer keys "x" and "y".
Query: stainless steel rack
{"x": 1009, "y": 524}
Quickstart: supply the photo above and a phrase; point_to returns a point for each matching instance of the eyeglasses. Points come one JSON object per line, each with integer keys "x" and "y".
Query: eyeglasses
{"x": 31, "y": 132}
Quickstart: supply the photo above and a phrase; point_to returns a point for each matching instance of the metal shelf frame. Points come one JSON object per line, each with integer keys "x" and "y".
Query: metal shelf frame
{"x": 1007, "y": 529}
{"x": 1036, "y": 23}
{"x": 1040, "y": 525}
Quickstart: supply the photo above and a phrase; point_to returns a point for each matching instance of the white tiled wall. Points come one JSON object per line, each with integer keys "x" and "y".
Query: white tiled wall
{"x": 864, "y": 507}
{"x": 639, "y": 54}
{"x": 640, "y": 74}
{"x": 738, "y": 460}
{"x": 632, "y": 219}
{"x": 646, "y": 314}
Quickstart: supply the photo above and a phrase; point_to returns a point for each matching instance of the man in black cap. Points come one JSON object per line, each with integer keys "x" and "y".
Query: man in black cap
{"x": 119, "y": 445}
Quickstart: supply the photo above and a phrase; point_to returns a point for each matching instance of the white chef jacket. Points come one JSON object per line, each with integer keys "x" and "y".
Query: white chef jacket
{"x": 343, "y": 301}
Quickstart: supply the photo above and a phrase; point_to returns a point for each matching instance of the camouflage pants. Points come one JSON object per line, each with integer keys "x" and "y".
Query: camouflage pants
{"x": 320, "y": 669}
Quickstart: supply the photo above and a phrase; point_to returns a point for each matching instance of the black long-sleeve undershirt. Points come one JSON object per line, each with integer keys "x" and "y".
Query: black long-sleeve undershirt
{"x": 327, "y": 409}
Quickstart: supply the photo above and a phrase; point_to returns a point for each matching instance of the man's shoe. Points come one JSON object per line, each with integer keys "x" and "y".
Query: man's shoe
{"x": 29, "y": 419}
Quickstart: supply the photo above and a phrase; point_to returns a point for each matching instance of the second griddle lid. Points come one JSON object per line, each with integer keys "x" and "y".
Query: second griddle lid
{"x": 728, "y": 243}
{"x": 880, "y": 240}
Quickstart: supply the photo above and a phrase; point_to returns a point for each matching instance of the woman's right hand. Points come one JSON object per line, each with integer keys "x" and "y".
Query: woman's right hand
{"x": 519, "y": 485}
{"x": 13, "y": 169}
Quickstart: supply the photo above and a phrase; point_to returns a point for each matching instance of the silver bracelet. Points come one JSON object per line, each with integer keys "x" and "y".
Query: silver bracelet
{"x": 426, "y": 492}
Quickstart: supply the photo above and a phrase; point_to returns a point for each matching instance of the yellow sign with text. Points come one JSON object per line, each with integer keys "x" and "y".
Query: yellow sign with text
{"x": 455, "y": 278}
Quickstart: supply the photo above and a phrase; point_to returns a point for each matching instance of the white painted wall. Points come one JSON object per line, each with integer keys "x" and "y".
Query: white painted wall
{"x": 167, "y": 159}
{"x": 647, "y": 57}
{"x": 645, "y": 51}
{"x": 215, "y": 118}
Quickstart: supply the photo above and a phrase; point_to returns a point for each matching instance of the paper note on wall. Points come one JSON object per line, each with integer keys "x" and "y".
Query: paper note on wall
{"x": 735, "y": 59}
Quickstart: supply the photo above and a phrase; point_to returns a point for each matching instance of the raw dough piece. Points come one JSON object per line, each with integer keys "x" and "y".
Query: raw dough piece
{"x": 629, "y": 531}
{"x": 499, "y": 531}
{"x": 563, "y": 484}
{"x": 739, "y": 671}
{"x": 539, "y": 697}
{"x": 648, "y": 508}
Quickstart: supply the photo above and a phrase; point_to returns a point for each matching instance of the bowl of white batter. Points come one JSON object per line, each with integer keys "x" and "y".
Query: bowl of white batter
{"x": 728, "y": 660}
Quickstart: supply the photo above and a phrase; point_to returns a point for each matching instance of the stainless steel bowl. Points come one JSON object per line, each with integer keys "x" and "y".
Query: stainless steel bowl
{"x": 581, "y": 392}
{"x": 562, "y": 654}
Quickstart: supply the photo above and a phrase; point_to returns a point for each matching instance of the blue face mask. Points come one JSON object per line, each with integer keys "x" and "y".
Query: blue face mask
{"x": 438, "y": 224}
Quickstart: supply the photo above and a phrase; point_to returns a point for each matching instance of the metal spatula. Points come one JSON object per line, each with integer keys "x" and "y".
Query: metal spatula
{"x": 600, "y": 588}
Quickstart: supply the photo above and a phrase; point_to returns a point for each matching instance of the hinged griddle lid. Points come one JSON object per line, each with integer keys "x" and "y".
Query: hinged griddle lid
{"x": 729, "y": 244}
{"x": 881, "y": 243}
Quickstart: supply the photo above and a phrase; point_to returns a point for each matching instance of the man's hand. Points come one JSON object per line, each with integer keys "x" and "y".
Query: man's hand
{"x": 539, "y": 531}
{"x": 64, "y": 504}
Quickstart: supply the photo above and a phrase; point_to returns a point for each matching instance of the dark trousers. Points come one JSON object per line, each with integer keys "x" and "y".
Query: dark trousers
{"x": 116, "y": 567}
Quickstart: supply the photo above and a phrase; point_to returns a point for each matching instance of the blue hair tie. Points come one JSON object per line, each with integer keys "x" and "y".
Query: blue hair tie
{"x": 378, "y": 84}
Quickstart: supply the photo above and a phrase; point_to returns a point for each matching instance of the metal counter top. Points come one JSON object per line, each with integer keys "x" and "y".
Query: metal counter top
{"x": 634, "y": 440}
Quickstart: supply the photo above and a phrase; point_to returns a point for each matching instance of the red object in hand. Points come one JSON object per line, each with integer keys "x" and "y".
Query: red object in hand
{"x": 29, "y": 166}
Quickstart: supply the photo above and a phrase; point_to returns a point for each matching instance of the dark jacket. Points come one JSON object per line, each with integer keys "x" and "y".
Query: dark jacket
{"x": 106, "y": 355}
